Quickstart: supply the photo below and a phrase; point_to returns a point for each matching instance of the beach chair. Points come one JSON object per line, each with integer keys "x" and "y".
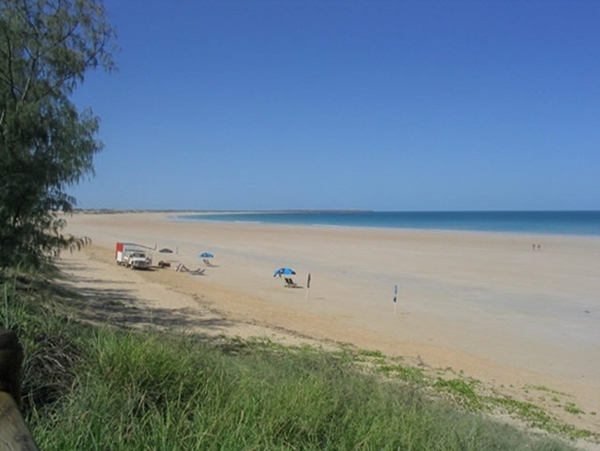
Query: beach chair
{"x": 182, "y": 268}
{"x": 207, "y": 262}
{"x": 289, "y": 283}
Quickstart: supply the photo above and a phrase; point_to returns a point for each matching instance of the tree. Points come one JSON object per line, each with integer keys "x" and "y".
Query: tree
{"x": 46, "y": 145}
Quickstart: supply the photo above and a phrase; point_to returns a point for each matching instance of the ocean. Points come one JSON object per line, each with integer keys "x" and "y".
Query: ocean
{"x": 530, "y": 222}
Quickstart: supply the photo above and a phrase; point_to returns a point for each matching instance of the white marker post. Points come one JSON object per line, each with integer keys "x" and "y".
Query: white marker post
{"x": 395, "y": 297}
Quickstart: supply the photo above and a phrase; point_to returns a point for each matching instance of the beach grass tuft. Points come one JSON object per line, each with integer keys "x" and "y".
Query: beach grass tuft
{"x": 100, "y": 387}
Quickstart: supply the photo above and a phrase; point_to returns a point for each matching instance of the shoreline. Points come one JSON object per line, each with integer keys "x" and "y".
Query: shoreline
{"x": 482, "y": 303}
{"x": 541, "y": 231}
{"x": 536, "y": 236}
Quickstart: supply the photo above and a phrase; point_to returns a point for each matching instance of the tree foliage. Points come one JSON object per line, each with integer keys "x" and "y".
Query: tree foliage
{"x": 46, "y": 144}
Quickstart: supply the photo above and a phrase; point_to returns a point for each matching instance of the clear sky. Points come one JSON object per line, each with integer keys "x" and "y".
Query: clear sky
{"x": 319, "y": 104}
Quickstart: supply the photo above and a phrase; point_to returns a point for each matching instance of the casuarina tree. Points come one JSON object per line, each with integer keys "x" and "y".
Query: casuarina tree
{"x": 46, "y": 144}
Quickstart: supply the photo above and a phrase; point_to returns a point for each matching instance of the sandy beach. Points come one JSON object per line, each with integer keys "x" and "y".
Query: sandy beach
{"x": 486, "y": 304}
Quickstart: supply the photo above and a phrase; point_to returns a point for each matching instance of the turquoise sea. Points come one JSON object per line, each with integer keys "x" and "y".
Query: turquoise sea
{"x": 538, "y": 222}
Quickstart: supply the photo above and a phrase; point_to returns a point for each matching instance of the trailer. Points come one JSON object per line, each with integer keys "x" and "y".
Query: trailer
{"x": 132, "y": 255}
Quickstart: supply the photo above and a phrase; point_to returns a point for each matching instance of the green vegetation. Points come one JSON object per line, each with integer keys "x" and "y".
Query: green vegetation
{"x": 46, "y": 145}
{"x": 470, "y": 395}
{"x": 572, "y": 408}
{"x": 103, "y": 387}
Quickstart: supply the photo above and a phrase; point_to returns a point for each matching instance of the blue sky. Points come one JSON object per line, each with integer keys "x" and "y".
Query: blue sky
{"x": 318, "y": 104}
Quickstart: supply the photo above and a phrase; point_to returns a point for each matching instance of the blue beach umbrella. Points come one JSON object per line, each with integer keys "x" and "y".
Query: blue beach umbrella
{"x": 205, "y": 255}
{"x": 284, "y": 271}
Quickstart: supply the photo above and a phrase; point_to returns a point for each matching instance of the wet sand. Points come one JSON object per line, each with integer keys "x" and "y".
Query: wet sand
{"x": 486, "y": 304}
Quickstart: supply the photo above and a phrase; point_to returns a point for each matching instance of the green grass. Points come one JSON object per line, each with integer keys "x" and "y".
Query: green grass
{"x": 103, "y": 388}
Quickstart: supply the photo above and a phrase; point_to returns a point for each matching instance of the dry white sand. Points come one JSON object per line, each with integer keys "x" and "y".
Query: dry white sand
{"x": 483, "y": 303}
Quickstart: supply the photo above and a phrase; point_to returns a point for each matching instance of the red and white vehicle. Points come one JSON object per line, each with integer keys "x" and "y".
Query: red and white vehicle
{"x": 132, "y": 256}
